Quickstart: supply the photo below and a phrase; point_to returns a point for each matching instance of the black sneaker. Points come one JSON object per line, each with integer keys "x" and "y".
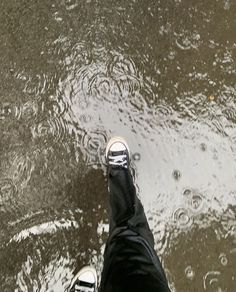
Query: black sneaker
{"x": 117, "y": 153}
{"x": 84, "y": 281}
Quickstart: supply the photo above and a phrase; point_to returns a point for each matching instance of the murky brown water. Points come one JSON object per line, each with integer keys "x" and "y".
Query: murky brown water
{"x": 160, "y": 73}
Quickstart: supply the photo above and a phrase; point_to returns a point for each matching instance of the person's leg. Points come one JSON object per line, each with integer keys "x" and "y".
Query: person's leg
{"x": 126, "y": 208}
{"x": 130, "y": 247}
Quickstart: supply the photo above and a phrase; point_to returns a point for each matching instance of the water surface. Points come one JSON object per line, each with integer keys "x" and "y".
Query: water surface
{"x": 160, "y": 73}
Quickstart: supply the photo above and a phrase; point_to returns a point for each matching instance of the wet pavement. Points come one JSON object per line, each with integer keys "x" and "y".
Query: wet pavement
{"x": 160, "y": 73}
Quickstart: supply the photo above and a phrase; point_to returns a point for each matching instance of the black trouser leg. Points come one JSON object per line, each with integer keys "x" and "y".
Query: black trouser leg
{"x": 130, "y": 246}
{"x": 126, "y": 208}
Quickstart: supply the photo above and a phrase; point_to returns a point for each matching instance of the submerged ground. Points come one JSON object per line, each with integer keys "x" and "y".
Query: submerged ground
{"x": 160, "y": 73}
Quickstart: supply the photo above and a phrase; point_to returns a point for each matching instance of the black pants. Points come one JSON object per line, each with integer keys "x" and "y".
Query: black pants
{"x": 130, "y": 261}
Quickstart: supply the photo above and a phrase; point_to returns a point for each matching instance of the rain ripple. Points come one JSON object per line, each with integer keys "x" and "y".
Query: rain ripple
{"x": 29, "y": 110}
{"x": 123, "y": 70}
{"x": 92, "y": 81}
{"x": 8, "y": 191}
{"x": 182, "y": 217}
{"x": 187, "y": 40}
{"x": 103, "y": 87}
{"x": 223, "y": 259}
{"x": 230, "y": 114}
{"x": 38, "y": 84}
{"x": 21, "y": 169}
{"x": 189, "y": 272}
{"x": 164, "y": 110}
{"x": 51, "y": 130}
{"x": 194, "y": 200}
{"x": 9, "y": 111}
{"x": 106, "y": 82}
{"x": 26, "y": 111}
{"x": 93, "y": 145}
{"x": 211, "y": 281}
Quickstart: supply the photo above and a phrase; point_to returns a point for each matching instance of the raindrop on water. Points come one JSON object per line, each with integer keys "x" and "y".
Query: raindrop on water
{"x": 187, "y": 192}
{"x": 29, "y": 111}
{"x": 194, "y": 199}
{"x": 211, "y": 280}
{"x": 189, "y": 272}
{"x": 8, "y": 110}
{"x": 52, "y": 129}
{"x": 136, "y": 156}
{"x": 176, "y": 174}
{"x": 196, "y": 202}
{"x": 223, "y": 259}
{"x": 182, "y": 217}
{"x": 203, "y": 147}
{"x": 164, "y": 110}
{"x": 93, "y": 144}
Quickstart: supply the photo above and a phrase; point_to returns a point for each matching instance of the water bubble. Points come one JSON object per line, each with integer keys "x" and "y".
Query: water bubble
{"x": 187, "y": 192}
{"x": 172, "y": 55}
{"x": 203, "y": 147}
{"x": 223, "y": 259}
{"x": 136, "y": 156}
{"x": 176, "y": 174}
{"x": 194, "y": 200}
{"x": 181, "y": 216}
{"x": 189, "y": 272}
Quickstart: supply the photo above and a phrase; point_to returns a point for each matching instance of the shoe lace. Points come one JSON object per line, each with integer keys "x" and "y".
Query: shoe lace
{"x": 120, "y": 160}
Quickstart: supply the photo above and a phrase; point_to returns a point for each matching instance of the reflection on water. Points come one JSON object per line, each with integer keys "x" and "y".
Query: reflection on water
{"x": 73, "y": 73}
